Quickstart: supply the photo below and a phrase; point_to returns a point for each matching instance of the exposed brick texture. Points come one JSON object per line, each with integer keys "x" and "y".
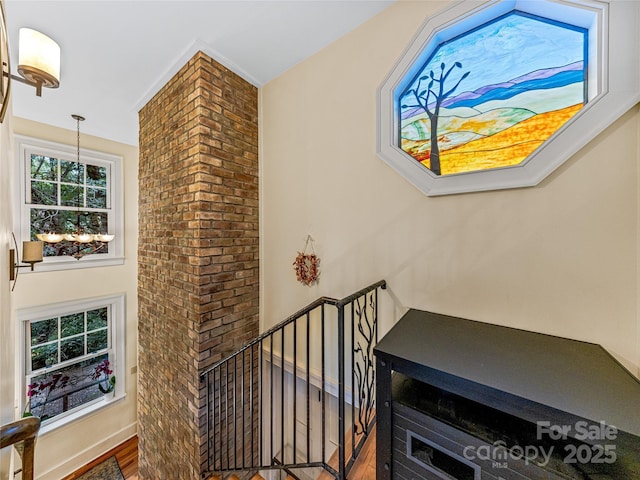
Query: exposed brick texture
{"x": 197, "y": 255}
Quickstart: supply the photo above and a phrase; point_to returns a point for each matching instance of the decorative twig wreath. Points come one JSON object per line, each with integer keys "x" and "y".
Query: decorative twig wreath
{"x": 306, "y": 265}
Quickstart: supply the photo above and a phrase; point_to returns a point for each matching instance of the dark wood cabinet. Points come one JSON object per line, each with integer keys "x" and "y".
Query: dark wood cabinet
{"x": 460, "y": 399}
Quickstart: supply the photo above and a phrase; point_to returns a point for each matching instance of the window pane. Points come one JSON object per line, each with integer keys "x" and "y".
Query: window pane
{"x": 44, "y": 331}
{"x": 70, "y": 173}
{"x": 72, "y": 348}
{"x": 44, "y": 356}
{"x": 52, "y": 220}
{"x": 66, "y": 221}
{"x": 44, "y": 193}
{"x": 96, "y": 198}
{"x": 96, "y": 176}
{"x": 95, "y": 222}
{"x": 71, "y": 324}
{"x": 64, "y": 389}
{"x": 96, "y": 318}
{"x": 97, "y": 341}
{"x": 44, "y": 168}
{"x": 71, "y": 195}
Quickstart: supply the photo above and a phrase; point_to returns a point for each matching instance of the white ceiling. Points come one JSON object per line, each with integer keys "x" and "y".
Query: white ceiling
{"x": 117, "y": 54}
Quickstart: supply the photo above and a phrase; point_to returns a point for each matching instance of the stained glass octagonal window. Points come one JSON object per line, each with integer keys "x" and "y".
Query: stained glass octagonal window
{"x": 499, "y": 95}
{"x": 491, "y": 96}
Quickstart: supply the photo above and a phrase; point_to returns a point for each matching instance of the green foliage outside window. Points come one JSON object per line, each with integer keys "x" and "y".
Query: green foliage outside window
{"x": 66, "y": 196}
{"x": 67, "y": 361}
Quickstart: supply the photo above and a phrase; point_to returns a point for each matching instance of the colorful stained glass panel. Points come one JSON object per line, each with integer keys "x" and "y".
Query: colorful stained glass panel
{"x": 491, "y": 96}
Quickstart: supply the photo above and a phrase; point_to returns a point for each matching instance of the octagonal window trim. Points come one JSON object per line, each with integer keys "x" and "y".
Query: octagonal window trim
{"x": 613, "y": 87}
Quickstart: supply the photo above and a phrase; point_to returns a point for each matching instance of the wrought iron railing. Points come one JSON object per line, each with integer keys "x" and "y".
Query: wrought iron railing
{"x": 303, "y": 386}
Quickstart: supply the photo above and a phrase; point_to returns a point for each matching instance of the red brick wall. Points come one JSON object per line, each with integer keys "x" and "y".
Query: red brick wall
{"x": 197, "y": 254}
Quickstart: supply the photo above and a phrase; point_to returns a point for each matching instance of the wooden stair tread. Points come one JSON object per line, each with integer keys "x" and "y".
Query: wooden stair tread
{"x": 364, "y": 467}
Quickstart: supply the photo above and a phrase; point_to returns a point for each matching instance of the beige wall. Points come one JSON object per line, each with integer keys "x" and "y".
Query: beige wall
{"x": 64, "y": 450}
{"x": 560, "y": 258}
{"x": 7, "y": 328}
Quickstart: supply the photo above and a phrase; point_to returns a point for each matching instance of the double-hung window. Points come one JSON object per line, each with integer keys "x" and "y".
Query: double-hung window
{"x": 63, "y": 195}
{"x": 73, "y": 357}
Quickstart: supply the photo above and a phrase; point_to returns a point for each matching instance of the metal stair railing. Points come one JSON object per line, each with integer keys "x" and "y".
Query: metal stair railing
{"x": 271, "y": 404}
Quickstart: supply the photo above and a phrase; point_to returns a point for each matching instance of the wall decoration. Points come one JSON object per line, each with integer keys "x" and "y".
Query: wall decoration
{"x": 5, "y": 81}
{"x": 491, "y": 96}
{"x": 306, "y": 265}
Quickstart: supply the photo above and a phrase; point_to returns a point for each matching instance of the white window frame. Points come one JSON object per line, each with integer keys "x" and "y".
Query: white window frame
{"x": 26, "y": 146}
{"x": 613, "y": 76}
{"x": 117, "y": 322}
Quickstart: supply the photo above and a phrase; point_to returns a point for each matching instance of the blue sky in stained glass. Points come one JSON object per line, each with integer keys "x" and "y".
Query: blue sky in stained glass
{"x": 509, "y": 47}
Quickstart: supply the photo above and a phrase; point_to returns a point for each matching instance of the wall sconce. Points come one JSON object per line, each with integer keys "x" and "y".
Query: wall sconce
{"x": 38, "y": 60}
{"x": 31, "y": 254}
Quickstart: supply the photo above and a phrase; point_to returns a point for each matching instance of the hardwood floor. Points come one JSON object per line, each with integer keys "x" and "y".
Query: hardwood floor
{"x": 364, "y": 467}
{"x": 127, "y": 455}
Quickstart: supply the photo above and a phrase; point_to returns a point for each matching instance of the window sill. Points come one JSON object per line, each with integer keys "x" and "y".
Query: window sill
{"x": 88, "y": 409}
{"x": 71, "y": 263}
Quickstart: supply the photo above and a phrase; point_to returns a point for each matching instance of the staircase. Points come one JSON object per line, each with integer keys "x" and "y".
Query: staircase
{"x": 298, "y": 401}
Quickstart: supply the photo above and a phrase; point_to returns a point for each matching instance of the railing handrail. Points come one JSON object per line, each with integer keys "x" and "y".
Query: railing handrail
{"x": 290, "y": 319}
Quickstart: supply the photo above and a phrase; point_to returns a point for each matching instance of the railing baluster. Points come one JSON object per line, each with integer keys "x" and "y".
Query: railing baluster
{"x": 251, "y": 405}
{"x": 260, "y": 406}
{"x": 282, "y": 395}
{"x": 308, "y": 380}
{"x": 242, "y": 404}
{"x": 353, "y": 378}
{"x": 206, "y": 416}
{"x": 294, "y": 381}
{"x": 271, "y": 431}
{"x": 341, "y": 398}
{"x": 226, "y": 409}
{"x": 323, "y": 387}
{"x": 219, "y": 414}
{"x": 235, "y": 414}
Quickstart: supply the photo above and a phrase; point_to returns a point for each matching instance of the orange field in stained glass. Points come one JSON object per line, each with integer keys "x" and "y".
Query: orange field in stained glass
{"x": 504, "y": 149}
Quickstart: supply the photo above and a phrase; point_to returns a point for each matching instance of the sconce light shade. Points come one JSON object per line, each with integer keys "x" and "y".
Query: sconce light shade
{"x": 32, "y": 252}
{"x": 39, "y": 58}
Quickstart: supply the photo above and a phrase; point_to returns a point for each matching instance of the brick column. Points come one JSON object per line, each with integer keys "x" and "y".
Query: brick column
{"x": 197, "y": 255}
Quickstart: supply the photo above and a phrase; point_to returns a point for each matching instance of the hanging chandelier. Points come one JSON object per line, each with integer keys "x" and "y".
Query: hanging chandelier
{"x": 84, "y": 243}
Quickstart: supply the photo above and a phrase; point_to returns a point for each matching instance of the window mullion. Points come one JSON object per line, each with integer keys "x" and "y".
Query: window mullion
{"x": 85, "y": 333}
{"x": 109, "y": 188}
{"x": 59, "y": 339}
{"x": 59, "y": 182}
